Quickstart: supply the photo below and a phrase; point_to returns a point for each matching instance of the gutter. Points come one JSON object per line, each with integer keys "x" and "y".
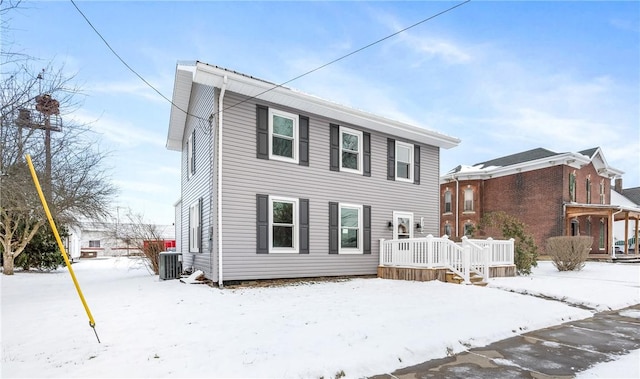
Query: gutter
{"x": 223, "y": 88}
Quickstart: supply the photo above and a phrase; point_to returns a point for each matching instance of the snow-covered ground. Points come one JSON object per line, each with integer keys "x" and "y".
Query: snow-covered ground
{"x": 152, "y": 328}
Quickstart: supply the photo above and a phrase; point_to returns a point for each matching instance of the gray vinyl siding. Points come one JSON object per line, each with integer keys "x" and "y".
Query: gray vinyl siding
{"x": 244, "y": 176}
{"x": 200, "y": 184}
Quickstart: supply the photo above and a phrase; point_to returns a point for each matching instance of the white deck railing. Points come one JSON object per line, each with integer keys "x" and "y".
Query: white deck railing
{"x": 433, "y": 252}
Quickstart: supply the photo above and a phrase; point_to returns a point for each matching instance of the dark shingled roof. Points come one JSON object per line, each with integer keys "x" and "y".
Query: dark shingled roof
{"x": 525, "y": 156}
{"x": 632, "y": 194}
{"x": 589, "y": 152}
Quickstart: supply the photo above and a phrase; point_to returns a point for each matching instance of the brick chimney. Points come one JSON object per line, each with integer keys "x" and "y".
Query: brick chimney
{"x": 618, "y": 185}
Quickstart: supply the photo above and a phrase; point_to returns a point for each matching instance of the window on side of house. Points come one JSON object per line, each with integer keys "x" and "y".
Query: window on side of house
{"x": 602, "y": 197}
{"x": 447, "y": 230}
{"x": 283, "y": 224}
{"x": 447, "y": 201}
{"x": 283, "y": 136}
{"x": 572, "y": 186}
{"x": 588, "y": 190}
{"x": 404, "y": 161}
{"x": 350, "y": 229}
{"x": 468, "y": 228}
{"x": 195, "y": 234}
{"x": 602, "y": 235}
{"x": 468, "y": 199}
{"x": 350, "y": 150}
{"x": 94, "y": 243}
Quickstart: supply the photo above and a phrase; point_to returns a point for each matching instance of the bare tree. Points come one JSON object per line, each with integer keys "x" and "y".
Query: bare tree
{"x": 69, "y": 166}
{"x": 142, "y": 236}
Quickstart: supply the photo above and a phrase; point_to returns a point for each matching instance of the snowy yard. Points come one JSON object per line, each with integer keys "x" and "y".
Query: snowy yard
{"x": 152, "y": 328}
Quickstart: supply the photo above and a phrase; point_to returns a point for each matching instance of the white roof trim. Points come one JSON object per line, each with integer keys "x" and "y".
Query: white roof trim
{"x": 575, "y": 160}
{"x": 264, "y": 91}
{"x": 178, "y": 117}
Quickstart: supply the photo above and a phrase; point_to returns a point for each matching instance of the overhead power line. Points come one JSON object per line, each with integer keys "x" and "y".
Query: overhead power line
{"x": 276, "y": 85}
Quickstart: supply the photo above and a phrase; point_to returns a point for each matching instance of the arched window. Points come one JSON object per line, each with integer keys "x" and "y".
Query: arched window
{"x": 588, "y": 190}
{"x": 447, "y": 229}
{"x": 468, "y": 228}
{"x": 602, "y": 198}
{"x": 575, "y": 227}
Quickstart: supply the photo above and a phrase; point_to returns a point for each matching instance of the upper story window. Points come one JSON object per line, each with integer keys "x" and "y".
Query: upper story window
{"x": 282, "y": 136}
{"x": 283, "y": 222}
{"x": 350, "y": 229}
{"x": 350, "y": 150}
{"x": 447, "y": 201}
{"x": 468, "y": 199}
{"x": 588, "y": 190}
{"x": 283, "y": 133}
{"x": 191, "y": 154}
{"x": 572, "y": 186}
{"x": 602, "y": 197}
{"x": 404, "y": 161}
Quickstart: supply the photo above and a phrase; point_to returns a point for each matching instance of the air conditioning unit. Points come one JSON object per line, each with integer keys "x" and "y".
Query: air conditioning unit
{"x": 170, "y": 265}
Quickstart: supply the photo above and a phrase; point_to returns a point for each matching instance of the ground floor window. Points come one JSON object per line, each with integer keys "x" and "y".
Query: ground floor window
{"x": 283, "y": 225}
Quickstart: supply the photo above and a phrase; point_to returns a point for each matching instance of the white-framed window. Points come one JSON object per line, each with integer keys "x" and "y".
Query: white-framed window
{"x": 447, "y": 201}
{"x": 350, "y": 150}
{"x": 194, "y": 227}
{"x": 283, "y": 224}
{"x": 94, "y": 243}
{"x": 191, "y": 155}
{"x": 350, "y": 229}
{"x": 468, "y": 199}
{"x": 404, "y": 161}
{"x": 283, "y": 136}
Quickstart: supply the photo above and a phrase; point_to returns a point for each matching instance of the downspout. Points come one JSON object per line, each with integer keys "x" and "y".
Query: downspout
{"x": 219, "y": 226}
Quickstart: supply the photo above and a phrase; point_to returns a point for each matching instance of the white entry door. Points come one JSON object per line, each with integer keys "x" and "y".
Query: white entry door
{"x": 402, "y": 225}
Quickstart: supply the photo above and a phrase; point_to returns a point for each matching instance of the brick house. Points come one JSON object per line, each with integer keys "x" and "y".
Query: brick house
{"x": 553, "y": 193}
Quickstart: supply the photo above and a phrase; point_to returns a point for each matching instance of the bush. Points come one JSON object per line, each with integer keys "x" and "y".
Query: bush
{"x": 569, "y": 253}
{"x": 42, "y": 252}
{"x": 526, "y": 251}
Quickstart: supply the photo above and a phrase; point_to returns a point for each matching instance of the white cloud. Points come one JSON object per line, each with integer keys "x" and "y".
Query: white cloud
{"x": 120, "y": 132}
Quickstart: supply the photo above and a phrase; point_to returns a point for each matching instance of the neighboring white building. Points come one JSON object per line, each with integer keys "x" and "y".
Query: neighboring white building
{"x": 102, "y": 239}
{"x": 619, "y": 226}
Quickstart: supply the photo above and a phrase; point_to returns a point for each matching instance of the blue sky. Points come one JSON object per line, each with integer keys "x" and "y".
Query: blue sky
{"x": 503, "y": 77}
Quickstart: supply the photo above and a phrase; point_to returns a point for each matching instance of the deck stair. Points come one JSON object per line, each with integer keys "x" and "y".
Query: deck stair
{"x": 476, "y": 280}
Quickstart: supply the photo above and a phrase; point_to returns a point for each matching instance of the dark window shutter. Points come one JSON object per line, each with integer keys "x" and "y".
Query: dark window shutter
{"x": 333, "y": 228}
{"x": 366, "y": 228}
{"x": 416, "y": 164}
{"x": 262, "y": 132}
{"x": 303, "y": 129}
{"x": 304, "y": 226}
{"x": 262, "y": 224}
{"x": 193, "y": 152}
{"x": 200, "y": 225}
{"x": 391, "y": 159}
{"x": 366, "y": 156}
{"x": 334, "y": 139}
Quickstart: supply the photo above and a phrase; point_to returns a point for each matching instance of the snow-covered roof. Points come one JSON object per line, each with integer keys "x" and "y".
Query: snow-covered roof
{"x": 532, "y": 160}
{"x": 206, "y": 74}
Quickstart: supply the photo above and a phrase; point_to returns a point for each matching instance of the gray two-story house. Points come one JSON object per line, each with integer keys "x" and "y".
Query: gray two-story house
{"x": 281, "y": 184}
